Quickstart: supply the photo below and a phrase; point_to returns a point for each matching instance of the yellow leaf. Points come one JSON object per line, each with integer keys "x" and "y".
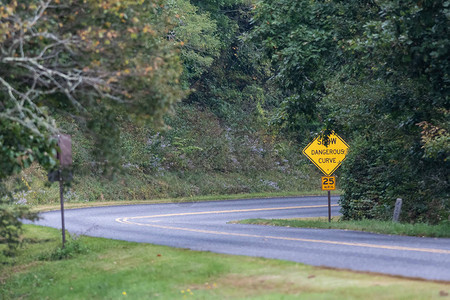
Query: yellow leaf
{"x": 148, "y": 69}
{"x": 146, "y": 28}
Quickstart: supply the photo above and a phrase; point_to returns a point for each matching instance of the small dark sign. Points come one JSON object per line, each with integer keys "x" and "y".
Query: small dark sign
{"x": 56, "y": 175}
{"x": 65, "y": 146}
{"x": 65, "y": 159}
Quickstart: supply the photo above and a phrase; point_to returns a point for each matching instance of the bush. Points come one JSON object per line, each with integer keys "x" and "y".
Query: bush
{"x": 10, "y": 224}
{"x": 73, "y": 247}
{"x": 378, "y": 171}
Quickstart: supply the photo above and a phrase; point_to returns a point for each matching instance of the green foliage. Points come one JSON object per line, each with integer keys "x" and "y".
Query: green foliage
{"x": 196, "y": 155}
{"x": 72, "y": 247}
{"x": 411, "y": 41}
{"x": 436, "y": 141}
{"x": 303, "y": 40}
{"x": 218, "y": 139}
{"x": 87, "y": 61}
{"x": 410, "y": 38}
{"x": 197, "y": 34}
{"x": 10, "y": 224}
{"x": 387, "y": 158}
{"x": 233, "y": 86}
{"x": 226, "y": 14}
{"x": 19, "y": 148}
{"x": 375, "y": 72}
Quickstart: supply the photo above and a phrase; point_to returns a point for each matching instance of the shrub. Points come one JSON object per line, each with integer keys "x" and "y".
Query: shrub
{"x": 10, "y": 224}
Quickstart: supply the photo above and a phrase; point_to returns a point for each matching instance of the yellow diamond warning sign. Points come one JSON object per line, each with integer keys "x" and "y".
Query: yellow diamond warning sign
{"x": 327, "y": 158}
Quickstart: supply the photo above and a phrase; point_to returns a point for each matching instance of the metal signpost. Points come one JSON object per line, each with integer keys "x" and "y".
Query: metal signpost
{"x": 65, "y": 161}
{"x": 327, "y": 158}
{"x": 329, "y": 184}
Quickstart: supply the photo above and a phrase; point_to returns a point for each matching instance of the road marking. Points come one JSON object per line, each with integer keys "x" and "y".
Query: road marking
{"x": 126, "y": 220}
{"x": 229, "y": 211}
{"x": 399, "y": 248}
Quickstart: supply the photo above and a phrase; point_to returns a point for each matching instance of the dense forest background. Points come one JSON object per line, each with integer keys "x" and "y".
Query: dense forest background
{"x": 184, "y": 98}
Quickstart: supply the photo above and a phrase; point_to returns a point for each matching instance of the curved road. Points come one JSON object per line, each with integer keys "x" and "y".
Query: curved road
{"x": 205, "y": 226}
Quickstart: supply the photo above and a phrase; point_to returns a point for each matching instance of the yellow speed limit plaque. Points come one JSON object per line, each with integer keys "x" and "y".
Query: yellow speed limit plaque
{"x": 328, "y": 183}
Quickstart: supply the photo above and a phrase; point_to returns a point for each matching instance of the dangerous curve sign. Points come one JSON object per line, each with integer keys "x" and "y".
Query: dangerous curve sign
{"x": 327, "y": 158}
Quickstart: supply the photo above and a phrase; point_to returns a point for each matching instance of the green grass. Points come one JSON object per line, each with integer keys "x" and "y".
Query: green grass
{"x": 81, "y": 204}
{"x": 384, "y": 227}
{"x": 108, "y": 269}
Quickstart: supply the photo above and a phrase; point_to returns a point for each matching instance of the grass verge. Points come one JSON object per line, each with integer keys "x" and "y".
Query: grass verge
{"x": 69, "y": 205}
{"x": 109, "y": 269}
{"x": 384, "y": 227}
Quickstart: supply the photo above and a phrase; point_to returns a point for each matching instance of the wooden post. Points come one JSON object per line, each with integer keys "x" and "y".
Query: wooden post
{"x": 397, "y": 209}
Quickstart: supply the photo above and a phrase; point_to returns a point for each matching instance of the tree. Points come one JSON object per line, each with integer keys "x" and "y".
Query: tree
{"x": 305, "y": 42}
{"x": 235, "y": 85}
{"x": 197, "y": 34}
{"x": 377, "y": 72}
{"x": 407, "y": 47}
{"x": 84, "y": 59}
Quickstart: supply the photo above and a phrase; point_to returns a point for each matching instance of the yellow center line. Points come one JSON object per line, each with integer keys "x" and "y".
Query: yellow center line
{"x": 229, "y": 211}
{"x": 429, "y": 250}
{"x": 126, "y": 220}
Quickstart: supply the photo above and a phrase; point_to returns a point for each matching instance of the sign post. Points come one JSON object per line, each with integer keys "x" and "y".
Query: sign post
{"x": 65, "y": 161}
{"x": 329, "y": 184}
{"x": 327, "y": 157}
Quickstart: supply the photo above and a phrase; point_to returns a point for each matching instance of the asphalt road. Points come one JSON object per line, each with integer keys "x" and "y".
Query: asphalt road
{"x": 205, "y": 226}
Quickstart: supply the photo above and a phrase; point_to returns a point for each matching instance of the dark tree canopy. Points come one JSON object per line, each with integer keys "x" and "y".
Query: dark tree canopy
{"x": 378, "y": 73}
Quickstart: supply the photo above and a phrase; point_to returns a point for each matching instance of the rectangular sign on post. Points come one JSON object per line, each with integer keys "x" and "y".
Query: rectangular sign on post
{"x": 328, "y": 183}
{"x": 65, "y": 153}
